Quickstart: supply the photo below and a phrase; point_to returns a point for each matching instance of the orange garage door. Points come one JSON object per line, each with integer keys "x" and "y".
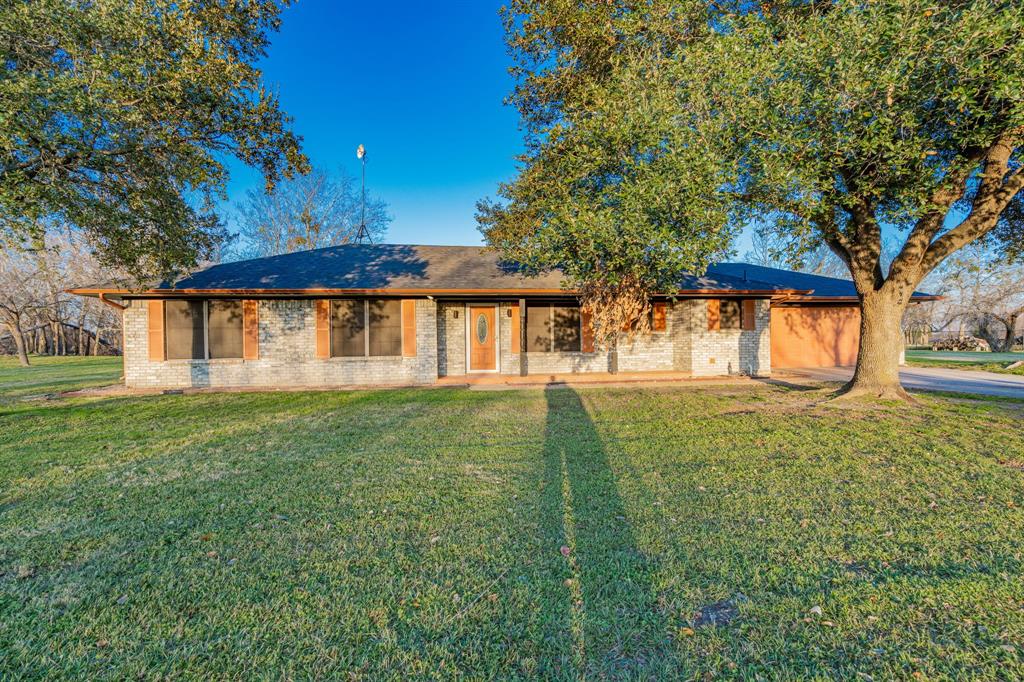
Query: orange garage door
{"x": 814, "y": 336}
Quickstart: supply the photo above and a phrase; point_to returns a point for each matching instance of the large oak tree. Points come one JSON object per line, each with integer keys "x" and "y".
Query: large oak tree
{"x": 828, "y": 122}
{"x": 117, "y": 117}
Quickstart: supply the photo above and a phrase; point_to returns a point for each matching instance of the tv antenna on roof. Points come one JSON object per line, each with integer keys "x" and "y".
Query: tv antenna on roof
{"x": 363, "y": 232}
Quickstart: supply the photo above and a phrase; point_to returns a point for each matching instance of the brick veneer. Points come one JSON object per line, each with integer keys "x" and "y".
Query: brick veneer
{"x": 685, "y": 346}
{"x": 287, "y": 333}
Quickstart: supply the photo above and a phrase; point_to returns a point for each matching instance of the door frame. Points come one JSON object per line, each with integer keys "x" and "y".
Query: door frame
{"x": 497, "y": 337}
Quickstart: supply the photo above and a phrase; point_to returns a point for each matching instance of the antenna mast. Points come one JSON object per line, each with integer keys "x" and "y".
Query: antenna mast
{"x": 363, "y": 232}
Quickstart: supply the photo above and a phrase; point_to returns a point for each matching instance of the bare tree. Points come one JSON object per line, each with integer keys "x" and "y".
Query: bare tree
{"x": 987, "y": 293}
{"x": 19, "y": 296}
{"x": 307, "y": 212}
{"x": 34, "y": 308}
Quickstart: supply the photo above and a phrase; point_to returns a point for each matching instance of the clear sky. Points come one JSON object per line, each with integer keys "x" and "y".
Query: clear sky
{"x": 420, "y": 84}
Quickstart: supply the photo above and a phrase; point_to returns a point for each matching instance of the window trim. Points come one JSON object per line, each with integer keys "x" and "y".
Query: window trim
{"x": 366, "y": 330}
{"x": 551, "y": 304}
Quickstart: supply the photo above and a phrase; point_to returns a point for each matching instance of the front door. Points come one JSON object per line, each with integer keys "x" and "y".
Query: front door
{"x": 482, "y": 332}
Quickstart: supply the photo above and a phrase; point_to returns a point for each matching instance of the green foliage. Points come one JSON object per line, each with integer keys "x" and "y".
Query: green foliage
{"x": 656, "y": 128}
{"x": 853, "y": 115}
{"x": 117, "y": 117}
{"x": 372, "y": 535}
{"x": 613, "y": 187}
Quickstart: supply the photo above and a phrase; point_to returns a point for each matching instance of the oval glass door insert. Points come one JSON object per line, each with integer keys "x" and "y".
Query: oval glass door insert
{"x": 481, "y": 329}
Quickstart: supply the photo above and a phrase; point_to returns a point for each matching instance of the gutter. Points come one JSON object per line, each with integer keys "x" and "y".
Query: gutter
{"x": 319, "y": 293}
{"x": 103, "y": 299}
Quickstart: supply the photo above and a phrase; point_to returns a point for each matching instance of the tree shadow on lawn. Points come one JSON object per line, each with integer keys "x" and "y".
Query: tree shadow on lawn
{"x": 608, "y": 623}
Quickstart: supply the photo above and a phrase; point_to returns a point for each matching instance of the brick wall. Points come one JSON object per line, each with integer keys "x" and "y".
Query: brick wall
{"x": 728, "y": 351}
{"x": 288, "y": 346}
{"x": 287, "y": 333}
{"x": 451, "y": 339}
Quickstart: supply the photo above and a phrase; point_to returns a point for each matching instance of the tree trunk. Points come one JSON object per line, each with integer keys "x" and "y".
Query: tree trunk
{"x": 19, "y": 343}
{"x": 881, "y": 342}
{"x": 81, "y": 350}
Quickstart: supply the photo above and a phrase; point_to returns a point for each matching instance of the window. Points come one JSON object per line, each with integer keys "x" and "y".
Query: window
{"x": 360, "y": 328}
{"x": 730, "y": 314}
{"x": 200, "y": 330}
{"x": 184, "y": 333}
{"x": 552, "y": 327}
{"x": 348, "y": 329}
{"x": 225, "y": 330}
{"x": 385, "y": 322}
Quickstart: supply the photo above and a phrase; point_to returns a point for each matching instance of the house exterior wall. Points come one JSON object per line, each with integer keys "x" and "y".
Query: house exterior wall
{"x": 287, "y": 348}
{"x": 728, "y": 351}
{"x": 451, "y": 338}
{"x": 685, "y": 346}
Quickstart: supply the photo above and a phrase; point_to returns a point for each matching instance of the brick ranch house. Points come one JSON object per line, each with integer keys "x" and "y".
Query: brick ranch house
{"x": 396, "y": 314}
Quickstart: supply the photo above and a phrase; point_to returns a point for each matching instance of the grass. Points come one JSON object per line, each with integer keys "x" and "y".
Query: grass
{"x": 419, "y": 534}
{"x": 50, "y": 375}
{"x": 987, "y": 362}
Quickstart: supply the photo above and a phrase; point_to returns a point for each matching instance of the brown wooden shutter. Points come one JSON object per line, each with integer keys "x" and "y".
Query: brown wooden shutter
{"x": 749, "y": 316}
{"x": 408, "y": 328}
{"x": 659, "y": 316}
{"x": 515, "y": 328}
{"x": 587, "y": 326}
{"x": 323, "y": 329}
{"x": 714, "y": 314}
{"x": 157, "y": 351}
{"x": 250, "y": 330}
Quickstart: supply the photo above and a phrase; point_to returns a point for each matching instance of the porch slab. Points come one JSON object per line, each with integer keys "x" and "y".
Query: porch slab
{"x": 582, "y": 379}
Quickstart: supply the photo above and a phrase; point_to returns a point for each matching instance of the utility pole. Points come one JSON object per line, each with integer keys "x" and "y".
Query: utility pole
{"x": 363, "y": 232}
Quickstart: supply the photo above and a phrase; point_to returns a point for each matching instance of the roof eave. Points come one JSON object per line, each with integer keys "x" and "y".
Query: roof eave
{"x": 176, "y": 293}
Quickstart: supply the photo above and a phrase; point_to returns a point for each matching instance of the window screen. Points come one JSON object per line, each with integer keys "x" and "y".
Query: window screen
{"x": 566, "y": 327}
{"x": 385, "y": 318}
{"x": 552, "y": 327}
{"x": 538, "y": 328}
{"x": 348, "y": 328}
{"x": 730, "y": 314}
{"x": 225, "y": 329}
{"x": 183, "y": 330}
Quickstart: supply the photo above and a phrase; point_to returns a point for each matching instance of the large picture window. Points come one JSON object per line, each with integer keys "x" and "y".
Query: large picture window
{"x": 552, "y": 327}
{"x": 200, "y": 330}
{"x": 366, "y": 328}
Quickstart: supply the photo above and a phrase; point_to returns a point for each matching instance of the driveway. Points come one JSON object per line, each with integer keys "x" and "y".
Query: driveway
{"x": 930, "y": 379}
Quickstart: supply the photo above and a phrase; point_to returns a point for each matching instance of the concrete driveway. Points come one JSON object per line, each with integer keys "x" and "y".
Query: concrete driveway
{"x": 930, "y": 379}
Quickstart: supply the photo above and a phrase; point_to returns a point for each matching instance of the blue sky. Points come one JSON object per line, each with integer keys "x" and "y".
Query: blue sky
{"x": 421, "y": 85}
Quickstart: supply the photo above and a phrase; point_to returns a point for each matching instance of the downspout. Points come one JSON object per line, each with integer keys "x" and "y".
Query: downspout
{"x": 116, "y": 306}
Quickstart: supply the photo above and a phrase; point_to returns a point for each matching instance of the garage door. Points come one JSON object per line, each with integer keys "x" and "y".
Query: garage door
{"x": 814, "y": 336}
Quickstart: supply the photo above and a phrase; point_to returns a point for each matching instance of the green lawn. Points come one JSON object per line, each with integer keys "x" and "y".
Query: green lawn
{"x": 49, "y": 375}
{"x": 988, "y": 362}
{"x": 418, "y": 534}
